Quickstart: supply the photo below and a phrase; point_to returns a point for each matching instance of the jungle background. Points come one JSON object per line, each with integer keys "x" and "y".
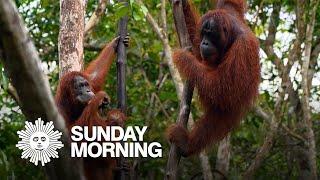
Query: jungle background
{"x": 278, "y": 139}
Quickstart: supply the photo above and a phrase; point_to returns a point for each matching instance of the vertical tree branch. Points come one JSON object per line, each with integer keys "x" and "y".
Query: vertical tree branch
{"x": 181, "y": 28}
{"x": 164, "y": 17}
{"x": 309, "y": 134}
{"x": 121, "y": 65}
{"x": 313, "y": 60}
{"x": 121, "y": 76}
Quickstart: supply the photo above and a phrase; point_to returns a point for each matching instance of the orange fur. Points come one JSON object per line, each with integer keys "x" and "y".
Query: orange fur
{"x": 75, "y": 113}
{"x": 228, "y": 87}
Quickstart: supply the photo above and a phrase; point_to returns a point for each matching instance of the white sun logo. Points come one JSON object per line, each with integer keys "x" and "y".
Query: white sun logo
{"x": 39, "y": 142}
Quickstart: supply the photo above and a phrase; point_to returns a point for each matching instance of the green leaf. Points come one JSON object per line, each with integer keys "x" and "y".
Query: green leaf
{"x": 121, "y": 10}
{"x": 144, "y": 9}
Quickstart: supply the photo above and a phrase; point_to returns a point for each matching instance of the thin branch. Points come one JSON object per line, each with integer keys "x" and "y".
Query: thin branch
{"x": 273, "y": 24}
{"x": 272, "y": 30}
{"x": 315, "y": 51}
{"x": 263, "y": 150}
{"x": 256, "y": 17}
{"x": 313, "y": 60}
{"x": 154, "y": 96}
{"x": 162, "y": 81}
{"x": 153, "y": 23}
{"x": 167, "y": 52}
{"x": 164, "y": 16}
{"x": 293, "y": 134}
{"x": 95, "y": 17}
{"x": 267, "y": 117}
{"x": 162, "y": 107}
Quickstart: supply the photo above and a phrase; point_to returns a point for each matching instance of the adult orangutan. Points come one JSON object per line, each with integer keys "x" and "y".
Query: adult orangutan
{"x": 81, "y": 101}
{"x": 224, "y": 68}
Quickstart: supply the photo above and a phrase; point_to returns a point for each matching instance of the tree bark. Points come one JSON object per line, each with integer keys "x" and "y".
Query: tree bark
{"x": 22, "y": 63}
{"x": 307, "y": 120}
{"x": 185, "y": 104}
{"x": 223, "y": 158}
{"x": 70, "y": 42}
{"x": 121, "y": 79}
{"x": 71, "y": 35}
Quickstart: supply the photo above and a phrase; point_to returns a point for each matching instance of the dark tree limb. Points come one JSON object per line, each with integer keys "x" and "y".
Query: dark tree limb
{"x": 121, "y": 79}
{"x": 185, "y": 104}
{"x": 22, "y": 63}
{"x": 121, "y": 65}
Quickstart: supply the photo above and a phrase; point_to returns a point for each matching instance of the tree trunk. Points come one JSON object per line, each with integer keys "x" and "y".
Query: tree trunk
{"x": 223, "y": 159}
{"x": 70, "y": 43}
{"x": 71, "y": 35}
